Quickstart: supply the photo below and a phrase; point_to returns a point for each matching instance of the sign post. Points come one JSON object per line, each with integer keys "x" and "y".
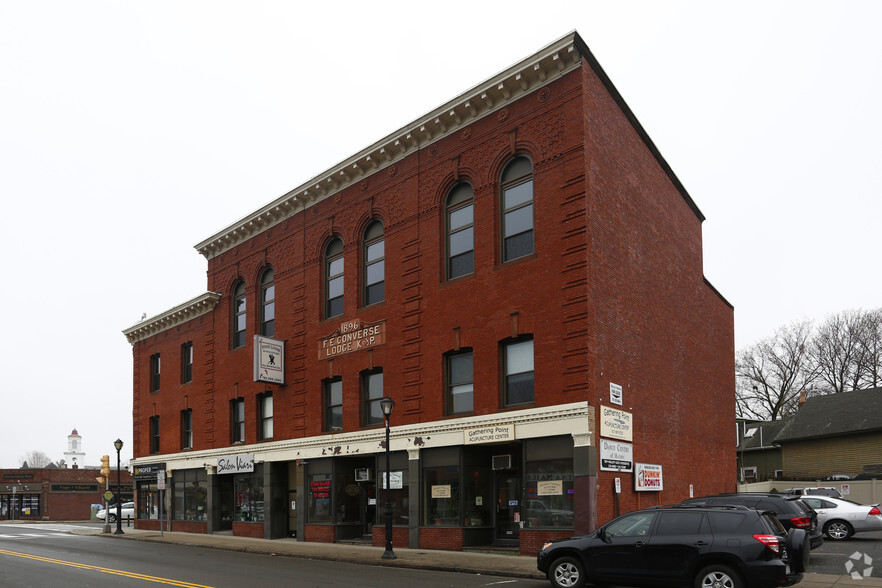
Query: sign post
{"x": 160, "y": 485}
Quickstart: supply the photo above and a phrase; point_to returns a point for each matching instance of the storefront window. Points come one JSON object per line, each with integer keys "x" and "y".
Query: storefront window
{"x": 248, "y": 490}
{"x": 549, "y": 482}
{"x": 148, "y": 501}
{"x": 398, "y": 491}
{"x": 319, "y": 498}
{"x": 190, "y": 495}
{"x": 441, "y": 485}
{"x": 16, "y": 506}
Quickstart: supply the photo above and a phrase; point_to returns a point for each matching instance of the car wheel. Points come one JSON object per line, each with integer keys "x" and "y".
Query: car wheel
{"x": 718, "y": 576}
{"x": 799, "y": 549}
{"x": 838, "y": 530}
{"x": 111, "y": 517}
{"x": 566, "y": 572}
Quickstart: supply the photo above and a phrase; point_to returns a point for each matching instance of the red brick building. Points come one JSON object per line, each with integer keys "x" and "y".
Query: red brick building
{"x": 55, "y": 494}
{"x": 519, "y": 270}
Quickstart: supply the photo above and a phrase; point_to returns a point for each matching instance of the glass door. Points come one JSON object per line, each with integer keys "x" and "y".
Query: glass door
{"x": 508, "y": 506}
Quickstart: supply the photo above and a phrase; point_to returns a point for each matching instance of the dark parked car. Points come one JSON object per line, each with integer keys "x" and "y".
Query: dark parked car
{"x": 696, "y": 546}
{"x": 790, "y": 510}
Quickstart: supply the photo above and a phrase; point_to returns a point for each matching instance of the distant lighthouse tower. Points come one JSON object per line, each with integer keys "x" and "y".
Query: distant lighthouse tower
{"x": 74, "y": 455}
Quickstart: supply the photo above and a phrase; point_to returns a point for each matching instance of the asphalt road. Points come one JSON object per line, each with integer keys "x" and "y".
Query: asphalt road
{"x": 44, "y": 556}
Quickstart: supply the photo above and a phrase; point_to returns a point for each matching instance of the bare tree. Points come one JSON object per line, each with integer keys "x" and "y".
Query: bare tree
{"x": 837, "y": 351}
{"x": 771, "y": 374}
{"x": 871, "y": 348}
{"x": 35, "y": 459}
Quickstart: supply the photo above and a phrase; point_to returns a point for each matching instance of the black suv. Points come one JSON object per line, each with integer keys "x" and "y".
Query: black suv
{"x": 790, "y": 510}
{"x": 700, "y": 546}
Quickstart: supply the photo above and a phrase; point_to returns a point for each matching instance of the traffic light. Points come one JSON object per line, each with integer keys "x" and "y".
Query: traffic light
{"x": 101, "y": 479}
{"x": 105, "y": 465}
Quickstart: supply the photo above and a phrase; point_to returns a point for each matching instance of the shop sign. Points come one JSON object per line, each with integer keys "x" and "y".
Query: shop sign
{"x": 549, "y": 488}
{"x": 352, "y": 336}
{"x": 269, "y": 360}
{"x": 147, "y": 471}
{"x": 441, "y": 491}
{"x": 234, "y": 464}
{"x": 73, "y": 488}
{"x": 648, "y": 477}
{"x": 396, "y": 480}
{"x": 616, "y": 456}
{"x": 320, "y": 488}
{"x": 493, "y": 434}
{"x": 615, "y": 423}
{"x": 615, "y": 393}
{"x": 17, "y": 476}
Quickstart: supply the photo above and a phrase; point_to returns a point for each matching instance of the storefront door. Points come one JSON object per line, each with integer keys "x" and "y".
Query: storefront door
{"x": 368, "y": 506}
{"x": 508, "y": 507}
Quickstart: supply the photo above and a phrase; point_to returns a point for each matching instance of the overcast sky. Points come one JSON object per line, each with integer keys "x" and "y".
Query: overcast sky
{"x": 129, "y": 132}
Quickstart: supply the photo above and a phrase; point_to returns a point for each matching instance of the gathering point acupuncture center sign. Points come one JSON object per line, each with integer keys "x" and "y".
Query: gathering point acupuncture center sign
{"x": 615, "y": 423}
{"x": 352, "y": 336}
{"x": 269, "y": 360}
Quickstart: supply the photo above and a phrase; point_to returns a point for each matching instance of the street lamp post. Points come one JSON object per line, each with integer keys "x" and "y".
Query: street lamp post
{"x": 387, "y": 404}
{"x": 118, "y": 444}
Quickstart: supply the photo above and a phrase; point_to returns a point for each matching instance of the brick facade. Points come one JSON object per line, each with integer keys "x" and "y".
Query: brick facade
{"x": 613, "y": 293}
{"x": 63, "y": 494}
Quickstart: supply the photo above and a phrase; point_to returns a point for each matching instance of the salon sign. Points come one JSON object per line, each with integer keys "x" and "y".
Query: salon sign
{"x": 234, "y": 464}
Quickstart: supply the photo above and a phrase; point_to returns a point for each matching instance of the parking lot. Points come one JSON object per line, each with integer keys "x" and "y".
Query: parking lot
{"x": 862, "y": 551}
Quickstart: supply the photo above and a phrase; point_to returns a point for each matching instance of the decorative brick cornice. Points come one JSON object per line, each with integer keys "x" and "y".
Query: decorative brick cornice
{"x": 182, "y": 313}
{"x": 493, "y": 95}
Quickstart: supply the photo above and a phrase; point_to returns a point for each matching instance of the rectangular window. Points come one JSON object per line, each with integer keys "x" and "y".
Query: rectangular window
{"x": 187, "y": 362}
{"x": 333, "y": 393}
{"x": 248, "y": 497}
{"x": 237, "y": 419}
{"x": 460, "y": 387}
{"x": 154, "y": 434}
{"x": 441, "y": 495}
{"x": 518, "y": 370}
{"x": 190, "y": 495}
{"x": 372, "y": 393}
{"x": 318, "y": 498}
{"x": 550, "y": 461}
{"x": 265, "y": 404}
{"x": 154, "y": 372}
{"x": 187, "y": 429}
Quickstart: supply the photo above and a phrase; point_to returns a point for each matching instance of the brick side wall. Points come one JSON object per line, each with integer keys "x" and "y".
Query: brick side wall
{"x": 659, "y": 330}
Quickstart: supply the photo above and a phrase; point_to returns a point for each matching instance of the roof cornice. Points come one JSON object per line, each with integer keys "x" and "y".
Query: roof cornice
{"x": 175, "y": 316}
{"x": 542, "y": 68}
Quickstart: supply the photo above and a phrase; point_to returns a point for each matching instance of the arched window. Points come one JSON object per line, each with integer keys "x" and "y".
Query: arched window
{"x": 239, "y": 315}
{"x": 374, "y": 263}
{"x": 334, "y": 278}
{"x": 267, "y": 303}
{"x": 460, "y": 230}
{"x": 517, "y": 209}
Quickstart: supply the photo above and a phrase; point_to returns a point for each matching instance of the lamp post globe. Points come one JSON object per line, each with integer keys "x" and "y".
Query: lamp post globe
{"x": 387, "y": 404}
{"x": 118, "y": 444}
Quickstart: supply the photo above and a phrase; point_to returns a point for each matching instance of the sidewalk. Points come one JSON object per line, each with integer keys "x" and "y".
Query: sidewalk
{"x": 427, "y": 559}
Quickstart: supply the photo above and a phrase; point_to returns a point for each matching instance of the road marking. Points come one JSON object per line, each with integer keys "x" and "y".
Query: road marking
{"x": 132, "y": 575}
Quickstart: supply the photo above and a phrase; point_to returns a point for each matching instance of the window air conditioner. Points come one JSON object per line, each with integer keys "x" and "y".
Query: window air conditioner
{"x": 502, "y": 462}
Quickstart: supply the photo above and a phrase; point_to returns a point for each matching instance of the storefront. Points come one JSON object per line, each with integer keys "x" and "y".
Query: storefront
{"x": 476, "y": 481}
